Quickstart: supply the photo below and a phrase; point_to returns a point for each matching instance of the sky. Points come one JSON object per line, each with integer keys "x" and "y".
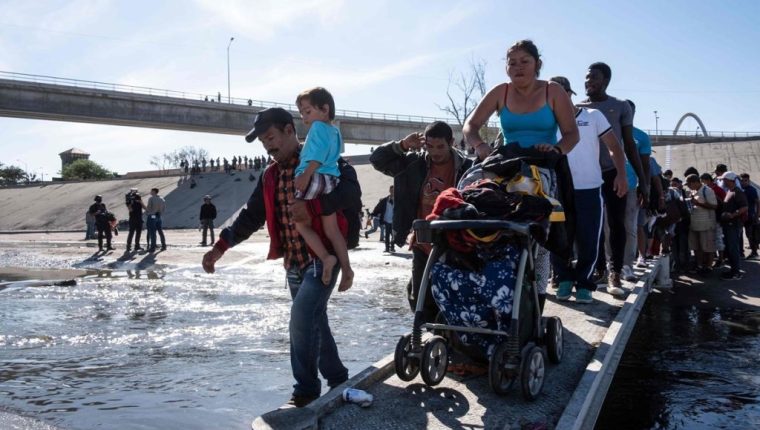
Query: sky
{"x": 381, "y": 56}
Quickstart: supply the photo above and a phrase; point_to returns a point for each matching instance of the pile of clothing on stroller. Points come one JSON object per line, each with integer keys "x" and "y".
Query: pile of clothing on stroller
{"x": 473, "y": 282}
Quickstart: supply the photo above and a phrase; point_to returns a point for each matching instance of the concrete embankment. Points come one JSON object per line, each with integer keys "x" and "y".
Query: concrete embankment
{"x": 61, "y": 206}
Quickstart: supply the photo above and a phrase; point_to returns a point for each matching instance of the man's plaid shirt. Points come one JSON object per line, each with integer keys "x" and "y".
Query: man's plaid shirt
{"x": 294, "y": 247}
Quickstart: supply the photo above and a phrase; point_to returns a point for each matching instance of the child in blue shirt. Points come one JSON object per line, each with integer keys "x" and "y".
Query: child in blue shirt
{"x": 317, "y": 173}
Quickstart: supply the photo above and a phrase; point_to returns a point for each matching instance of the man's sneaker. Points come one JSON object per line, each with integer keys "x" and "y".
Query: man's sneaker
{"x": 583, "y": 295}
{"x": 366, "y": 235}
{"x": 163, "y": 247}
{"x": 641, "y": 263}
{"x": 628, "y": 274}
{"x": 614, "y": 285}
{"x": 599, "y": 277}
{"x": 565, "y": 290}
{"x": 300, "y": 401}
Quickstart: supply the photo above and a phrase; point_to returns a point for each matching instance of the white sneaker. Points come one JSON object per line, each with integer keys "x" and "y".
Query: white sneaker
{"x": 614, "y": 286}
{"x": 615, "y": 291}
{"x": 628, "y": 274}
{"x": 641, "y": 263}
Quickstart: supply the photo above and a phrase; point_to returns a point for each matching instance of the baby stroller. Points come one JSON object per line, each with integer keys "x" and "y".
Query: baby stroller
{"x": 524, "y": 338}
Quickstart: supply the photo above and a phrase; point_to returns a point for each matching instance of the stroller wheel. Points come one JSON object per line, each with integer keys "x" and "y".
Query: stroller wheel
{"x": 435, "y": 360}
{"x": 407, "y": 367}
{"x": 500, "y": 376}
{"x": 554, "y": 339}
{"x": 532, "y": 373}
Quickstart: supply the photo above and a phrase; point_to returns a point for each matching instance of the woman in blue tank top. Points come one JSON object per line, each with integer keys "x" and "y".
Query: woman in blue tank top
{"x": 530, "y": 110}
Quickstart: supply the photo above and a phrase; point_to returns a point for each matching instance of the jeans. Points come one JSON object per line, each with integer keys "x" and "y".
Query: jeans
{"x": 631, "y": 227}
{"x": 733, "y": 237}
{"x": 375, "y": 225}
{"x": 389, "y": 246}
{"x": 312, "y": 346}
{"x": 208, "y": 224}
{"x": 588, "y": 229}
{"x": 153, "y": 224}
{"x": 90, "y": 232}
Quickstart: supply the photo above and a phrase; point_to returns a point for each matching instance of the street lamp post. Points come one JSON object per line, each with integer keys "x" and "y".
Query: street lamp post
{"x": 229, "y": 98}
{"x": 656, "y": 128}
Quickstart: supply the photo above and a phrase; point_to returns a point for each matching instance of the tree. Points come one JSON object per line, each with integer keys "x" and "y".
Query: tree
{"x": 84, "y": 170}
{"x": 12, "y": 175}
{"x": 464, "y": 91}
{"x": 468, "y": 89}
{"x": 172, "y": 159}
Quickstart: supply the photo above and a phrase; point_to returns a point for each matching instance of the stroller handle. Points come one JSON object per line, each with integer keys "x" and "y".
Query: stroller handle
{"x": 420, "y": 226}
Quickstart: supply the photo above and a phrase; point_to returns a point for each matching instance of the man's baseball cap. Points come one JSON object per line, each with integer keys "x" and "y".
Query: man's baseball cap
{"x": 720, "y": 168}
{"x": 564, "y": 82}
{"x": 265, "y": 118}
{"x": 731, "y": 176}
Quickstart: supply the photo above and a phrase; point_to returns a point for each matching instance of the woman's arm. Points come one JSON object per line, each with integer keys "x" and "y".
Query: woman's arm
{"x": 479, "y": 117}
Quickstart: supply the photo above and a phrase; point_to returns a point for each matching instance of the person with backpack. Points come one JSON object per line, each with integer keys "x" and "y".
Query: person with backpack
{"x": 313, "y": 348}
{"x": 99, "y": 211}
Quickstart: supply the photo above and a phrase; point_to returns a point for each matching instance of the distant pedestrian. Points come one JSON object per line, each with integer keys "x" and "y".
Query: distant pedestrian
{"x": 135, "y": 207}
{"x": 99, "y": 211}
{"x": 153, "y": 212}
{"x": 207, "y": 217}
{"x": 219, "y": 97}
{"x": 211, "y": 162}
{"x": 732, "y": 220}
{"x": 203, "y": 163}
{"x": 753, "y": 209}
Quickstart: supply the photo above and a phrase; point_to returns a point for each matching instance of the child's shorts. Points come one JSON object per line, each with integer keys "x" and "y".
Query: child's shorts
{"x": 320, "y": 184}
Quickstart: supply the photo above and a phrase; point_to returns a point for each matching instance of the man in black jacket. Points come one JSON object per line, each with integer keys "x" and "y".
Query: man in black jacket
{"x": 420, "y": 177}
{"x": 98, "y": 209}
{"x": 135, "y": 207}
{"x": 207, "y": 217}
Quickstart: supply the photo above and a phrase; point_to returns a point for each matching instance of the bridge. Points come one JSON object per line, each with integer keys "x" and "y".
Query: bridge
{"x": 60, "y": 99}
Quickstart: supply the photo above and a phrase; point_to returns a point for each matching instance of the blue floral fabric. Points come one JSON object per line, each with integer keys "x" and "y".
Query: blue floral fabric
{"x": 478, "y": 299}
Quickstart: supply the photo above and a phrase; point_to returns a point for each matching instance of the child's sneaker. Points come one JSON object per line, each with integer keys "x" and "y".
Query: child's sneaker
{"x": 583, "y": 295}
{"x": 565, "y": 290}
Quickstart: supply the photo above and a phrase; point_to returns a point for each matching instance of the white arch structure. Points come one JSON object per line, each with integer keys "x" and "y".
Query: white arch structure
{"x": 696, "y": 118}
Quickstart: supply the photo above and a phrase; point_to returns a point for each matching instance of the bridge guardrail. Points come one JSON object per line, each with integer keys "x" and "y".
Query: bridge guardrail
{"x": 218, "y": 98}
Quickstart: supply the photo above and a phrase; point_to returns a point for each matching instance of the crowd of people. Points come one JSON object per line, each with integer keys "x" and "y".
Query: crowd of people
{"x": 620, "y": 209}
{"x": 239, "y": 163}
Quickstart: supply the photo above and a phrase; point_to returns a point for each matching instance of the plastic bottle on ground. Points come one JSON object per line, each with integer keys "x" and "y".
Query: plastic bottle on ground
{"x": 360, "y": 397}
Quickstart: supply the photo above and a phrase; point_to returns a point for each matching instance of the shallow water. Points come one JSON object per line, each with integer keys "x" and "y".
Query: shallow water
{"x": 181, "y": 349}
{"x": 687, "y": 368}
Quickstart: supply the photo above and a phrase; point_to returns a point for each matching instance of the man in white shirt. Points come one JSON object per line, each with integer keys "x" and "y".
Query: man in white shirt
{"x": 587, "y": 181}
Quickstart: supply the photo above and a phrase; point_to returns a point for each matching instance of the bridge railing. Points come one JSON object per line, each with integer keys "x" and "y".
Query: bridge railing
{"x": 712, "y": 133}
{"x": 212, "y": 98}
